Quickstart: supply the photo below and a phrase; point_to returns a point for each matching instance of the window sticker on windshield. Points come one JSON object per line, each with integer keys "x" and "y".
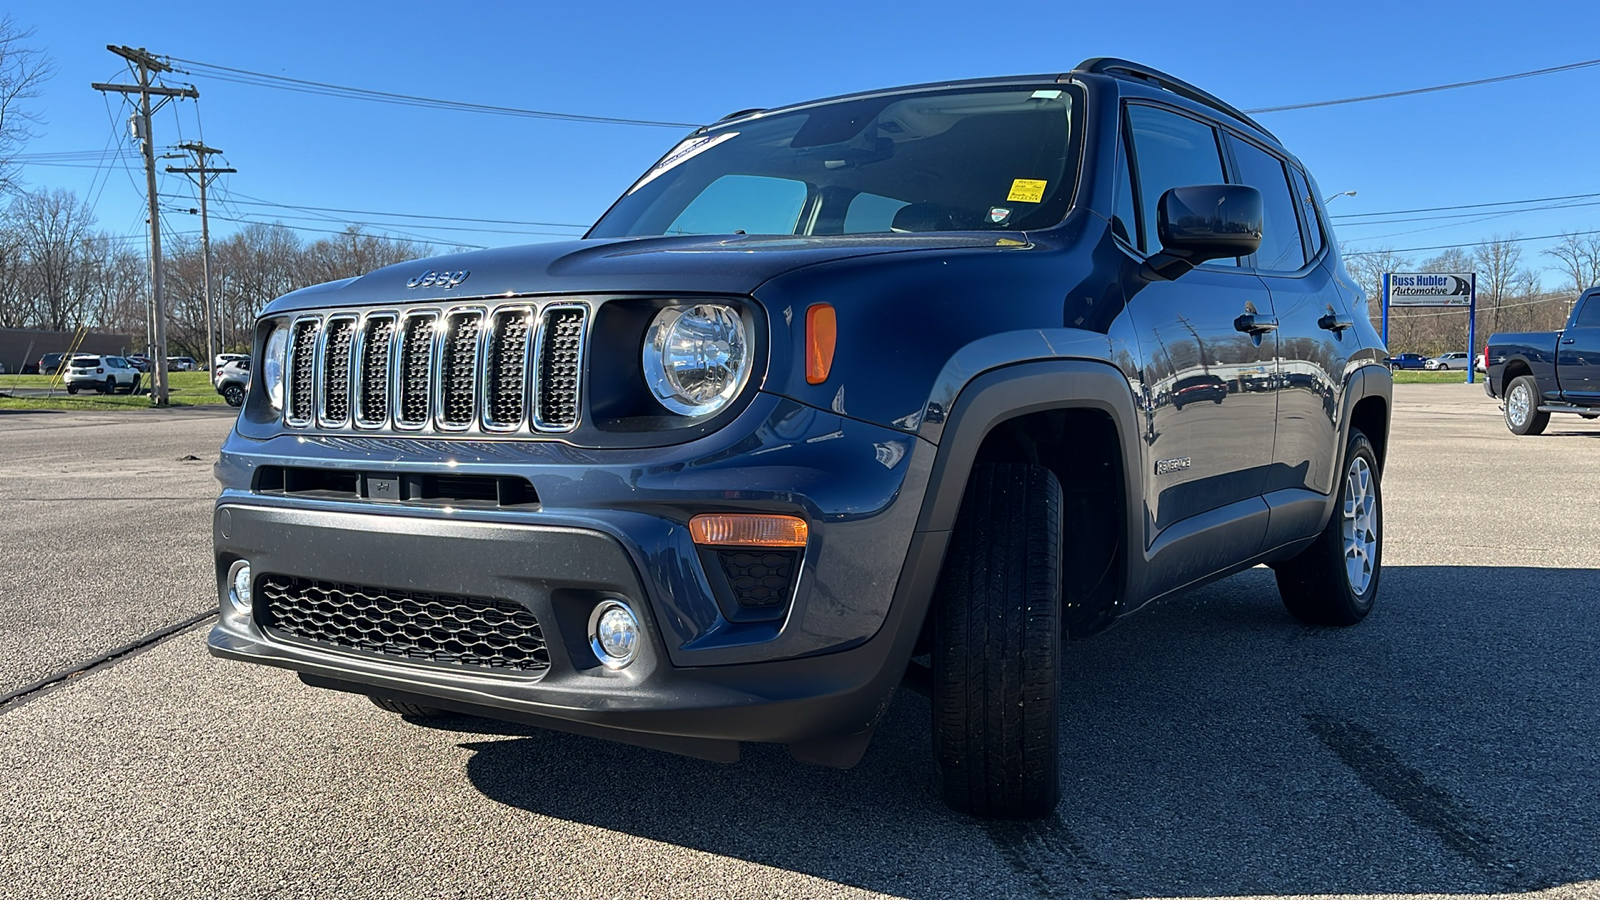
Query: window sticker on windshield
{"x": 1026, "y": 190}
{"x": 998, "y": 214}
{"x": 682, "y": 153}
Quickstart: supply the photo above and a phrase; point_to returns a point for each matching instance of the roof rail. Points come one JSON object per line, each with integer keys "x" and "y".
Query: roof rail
{"x": 742, "y": 113}
{"x": 1122, "y": 68}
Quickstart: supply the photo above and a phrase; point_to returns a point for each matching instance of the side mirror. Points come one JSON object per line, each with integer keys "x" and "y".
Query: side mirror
{"x": 1204, "y": 222}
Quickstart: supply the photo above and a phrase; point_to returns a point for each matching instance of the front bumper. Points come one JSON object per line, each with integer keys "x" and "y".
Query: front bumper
{"x": 610, "y": 525}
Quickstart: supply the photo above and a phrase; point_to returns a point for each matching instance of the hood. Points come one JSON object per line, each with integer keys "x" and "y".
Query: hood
{"x": 719, "y": 264}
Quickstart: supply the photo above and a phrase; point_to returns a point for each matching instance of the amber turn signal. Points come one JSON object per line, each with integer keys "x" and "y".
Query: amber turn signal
{"x": 748, "y": 530}
{"x": 822, "y": 332}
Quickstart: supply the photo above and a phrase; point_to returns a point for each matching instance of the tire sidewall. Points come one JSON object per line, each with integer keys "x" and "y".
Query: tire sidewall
{"x": 1519, "y": 427}
{"x": 1360, "y": 447}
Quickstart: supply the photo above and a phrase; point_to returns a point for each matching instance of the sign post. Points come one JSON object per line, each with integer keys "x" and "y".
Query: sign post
{"x": 1453, "y": 290}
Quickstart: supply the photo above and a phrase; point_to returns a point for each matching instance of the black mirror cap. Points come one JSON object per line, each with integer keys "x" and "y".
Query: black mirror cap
{"x": 1210, "y": 221}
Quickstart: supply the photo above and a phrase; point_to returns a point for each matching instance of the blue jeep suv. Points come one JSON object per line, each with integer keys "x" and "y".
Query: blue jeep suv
{"x": 902, "y": 388}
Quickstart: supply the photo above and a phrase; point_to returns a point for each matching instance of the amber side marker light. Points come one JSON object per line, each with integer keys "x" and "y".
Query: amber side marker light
{"x": 748, "y": 530}
{"x": 822, "y": 333}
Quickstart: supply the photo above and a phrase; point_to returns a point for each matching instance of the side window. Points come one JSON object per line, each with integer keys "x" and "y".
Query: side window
{"x": 754, "y": 204}
{"x": 1282, "y": 250}
{"x": 1589, "y": 316}
{"x": 1308, "y": 210}
{"x": 871, "y": 213}
{"x": 1124, "y": 221}
{"x": 1169, "y": 151}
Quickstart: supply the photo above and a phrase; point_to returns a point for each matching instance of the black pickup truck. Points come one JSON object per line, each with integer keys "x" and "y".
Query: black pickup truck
{"x": 1543, "y": 372}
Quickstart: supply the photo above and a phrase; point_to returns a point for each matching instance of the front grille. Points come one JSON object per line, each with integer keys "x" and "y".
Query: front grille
{"x": 464, "y": 631}
{"x": 509, "y": 368}
{"x": 416, "y": 359}
{"x": 560, "y": 349}
{"x": 302, "y": 371}
{"x": 336, "y": 371}
{"x": 458, "y": 370}
{"x": 375, "y": 370}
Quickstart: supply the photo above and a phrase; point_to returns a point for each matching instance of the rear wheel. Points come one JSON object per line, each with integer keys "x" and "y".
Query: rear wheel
{"x": 411, "y": 710}
{"x": 1522, "y": 407}
{"x": 234, "y": 394}
{"x": 110, "y": 385}
{"x": 72, "y": 389}
{"x": 1335, "y": 580}
{"x": 997, "y": 647}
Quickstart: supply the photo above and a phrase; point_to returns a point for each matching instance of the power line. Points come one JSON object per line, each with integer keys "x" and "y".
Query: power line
{"x": 1514, "y": 240}
{"x": 1397, "y": 212}
{"x": 282, "y": 82}
{"x": 1427, "y": 90}
{"x": 256, "y": 201}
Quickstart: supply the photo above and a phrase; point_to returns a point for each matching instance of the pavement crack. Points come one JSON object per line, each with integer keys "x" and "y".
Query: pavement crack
{"x": 29, "y": 692}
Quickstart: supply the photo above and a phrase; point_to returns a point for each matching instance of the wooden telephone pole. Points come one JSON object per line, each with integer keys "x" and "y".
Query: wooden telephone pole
{"x": 203, "y": 175}
{"x": 145, "y": 67}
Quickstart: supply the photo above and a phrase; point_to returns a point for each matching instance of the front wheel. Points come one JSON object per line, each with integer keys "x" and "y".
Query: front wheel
{"x": 1522, "y": 407}
{"x": 997, "y": 647}
{"x": 1335, "y": 580}
{"x": 234, "y": 394}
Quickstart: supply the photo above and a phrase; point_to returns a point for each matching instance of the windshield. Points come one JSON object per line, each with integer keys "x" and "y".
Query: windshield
{"x": 969, "y": 160}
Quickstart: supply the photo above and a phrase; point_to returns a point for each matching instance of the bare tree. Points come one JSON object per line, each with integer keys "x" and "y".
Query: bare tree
{"x": 1367, "y": 268}
{"x": 1498, "y": 262}
{"x": 1579, "y": 257}
{"x": 52, "y": 230}
{"x": 23, "y": 69}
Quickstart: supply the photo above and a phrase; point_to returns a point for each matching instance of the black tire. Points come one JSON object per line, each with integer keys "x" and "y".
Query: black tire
{"x": 234, "y": 394}
{"x": 997, "y": 647}
{"x": 1317, "y": 586}
{"x": 409, "y": 710}
{"x": 72, "y": 389}
{"x": 110, "y": 386}
{"x": 1522, "y": 407}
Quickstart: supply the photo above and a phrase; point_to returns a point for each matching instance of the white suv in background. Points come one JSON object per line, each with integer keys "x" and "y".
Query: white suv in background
{"x": 105, "y": 374}
{"x": 1448, "y": 361}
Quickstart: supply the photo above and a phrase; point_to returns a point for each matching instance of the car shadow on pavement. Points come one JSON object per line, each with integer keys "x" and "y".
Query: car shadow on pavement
{"x": 1211, "y": 746}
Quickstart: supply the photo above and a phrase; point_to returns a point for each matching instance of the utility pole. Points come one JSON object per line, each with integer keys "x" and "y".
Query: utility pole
{"x": 203, "y": 175}
{"x": 146, "y": 66}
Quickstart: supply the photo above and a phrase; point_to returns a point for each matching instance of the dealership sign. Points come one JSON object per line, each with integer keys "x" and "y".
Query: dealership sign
{"x": 1429, "y": 289}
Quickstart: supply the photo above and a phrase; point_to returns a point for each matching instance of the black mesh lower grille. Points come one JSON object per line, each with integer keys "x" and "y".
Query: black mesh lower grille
{"x": 508, "y": 363}
{"x": 302, "y": 366}
{"x": 759, "y": 578}
{"x": 414, "y": 360}
{"x": 465, "y": 631}
{"x": 559, "y": 349}
{"x": 336, "y": 370}
{"x": 375, "y": 370}
{"x": 458, "y": 370}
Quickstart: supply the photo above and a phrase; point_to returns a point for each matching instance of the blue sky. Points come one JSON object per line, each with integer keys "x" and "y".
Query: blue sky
{"x": 696, "y": 61}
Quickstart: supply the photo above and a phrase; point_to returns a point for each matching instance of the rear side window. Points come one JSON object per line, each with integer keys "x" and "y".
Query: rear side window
{"x": 116, "y": 362}
{"x": 1282, "y": 249}
{"x": 753, "y": 204}
{"x": 1589, "y": 316}
{"x": 1307, "y": 199}
{"x": 1169, "y": 151}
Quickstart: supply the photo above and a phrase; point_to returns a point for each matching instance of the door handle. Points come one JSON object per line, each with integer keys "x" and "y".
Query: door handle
{"x": 1256, "y": 324}
{"x": 1569, "y": 340}
{"x": 1336, "y": 323}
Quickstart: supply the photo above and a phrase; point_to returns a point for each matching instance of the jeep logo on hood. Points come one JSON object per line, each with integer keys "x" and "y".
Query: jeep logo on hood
{"x": 445, "y": 279}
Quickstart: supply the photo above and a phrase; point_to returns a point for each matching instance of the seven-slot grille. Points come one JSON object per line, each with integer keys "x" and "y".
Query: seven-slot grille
{"x": 502, "y": 369}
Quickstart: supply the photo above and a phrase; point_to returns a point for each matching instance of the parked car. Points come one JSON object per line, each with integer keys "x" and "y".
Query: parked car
{"x": 180, "y": 364}
{"x": 233, "y": 380}
{"x": 1483, "y": 360}
{"x": 1543, "y": 372}
{"x": 51, "y": 363}
{"x": 30, "y": 368}
{"x": 222, "y": 361}
{"x": 1407, "y": 361}
{"x": 107, "y": 374}
{"x": 1450, "y": 362}
{"x": 139, "y": 361}
{"x": 762, "y": 447}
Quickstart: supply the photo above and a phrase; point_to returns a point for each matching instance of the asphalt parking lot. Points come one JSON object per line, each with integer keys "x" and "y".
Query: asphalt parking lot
{"x": 1212, "y": 747}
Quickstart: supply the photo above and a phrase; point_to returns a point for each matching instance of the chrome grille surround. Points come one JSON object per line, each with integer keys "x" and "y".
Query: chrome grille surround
{"x": 299, "y": 407}
{"x": 335, "y": 349}
{"x": 373, "y": 377}
{"x": 479, "y": 368}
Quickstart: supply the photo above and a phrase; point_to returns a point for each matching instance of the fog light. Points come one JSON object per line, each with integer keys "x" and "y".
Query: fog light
{"x": 239, "y": 588}
{"x": 614, "y": 634}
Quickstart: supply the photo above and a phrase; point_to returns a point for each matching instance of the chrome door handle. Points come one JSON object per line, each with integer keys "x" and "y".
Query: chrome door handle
{"x": 1569, "y": 340}
{"x": 1256, "y": 324}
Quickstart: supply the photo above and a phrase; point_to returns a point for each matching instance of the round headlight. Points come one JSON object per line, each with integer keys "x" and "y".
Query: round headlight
{"x": 272, "y": 365}
{"x": 696, "y": 358}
